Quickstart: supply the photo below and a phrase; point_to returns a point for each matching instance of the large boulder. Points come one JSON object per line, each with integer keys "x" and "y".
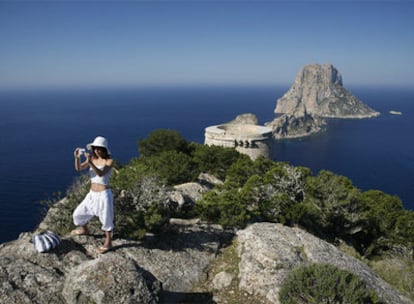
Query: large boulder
{"x": 71, "y": 273}
{"x": 184, "y": 196}
{"x": 268, "y": 252}
{"x": 108, "y": 279}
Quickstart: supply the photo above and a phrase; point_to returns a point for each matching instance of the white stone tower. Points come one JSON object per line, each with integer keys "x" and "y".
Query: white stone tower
{"x": 249, "y": 139}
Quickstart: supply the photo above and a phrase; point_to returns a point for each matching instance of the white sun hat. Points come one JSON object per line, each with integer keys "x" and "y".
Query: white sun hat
{"x": 99, "y": 141}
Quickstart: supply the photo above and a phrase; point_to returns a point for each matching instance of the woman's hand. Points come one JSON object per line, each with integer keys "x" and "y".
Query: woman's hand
{"x": 76, "y": 153}
{"x": 88, "y": 157}
{"x": 81, "y": 165}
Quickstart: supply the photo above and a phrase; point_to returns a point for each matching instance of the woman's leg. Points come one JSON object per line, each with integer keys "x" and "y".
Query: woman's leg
{"x": 82, "y": 215}
{"x": 106, "y": 217}
{"x": 108, "y": 239}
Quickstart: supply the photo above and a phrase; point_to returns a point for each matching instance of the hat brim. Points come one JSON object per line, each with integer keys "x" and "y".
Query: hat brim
{"x": 89, "y": 147}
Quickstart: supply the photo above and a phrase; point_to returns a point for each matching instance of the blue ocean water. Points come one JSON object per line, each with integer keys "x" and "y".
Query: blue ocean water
{"x": 40, "y": 129}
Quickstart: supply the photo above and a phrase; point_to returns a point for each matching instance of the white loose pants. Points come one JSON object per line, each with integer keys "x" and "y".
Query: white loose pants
{"x": 100, "y": 204}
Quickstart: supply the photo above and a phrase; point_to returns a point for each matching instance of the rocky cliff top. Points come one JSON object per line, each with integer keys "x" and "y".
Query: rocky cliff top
{"x": 157, "y": 269}
{"x": 318, "y": 90}
{"x": 165, "y": 268}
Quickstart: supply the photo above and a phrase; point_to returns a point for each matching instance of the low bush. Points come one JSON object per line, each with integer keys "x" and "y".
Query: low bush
{"x": 397, "y": 272}
{"x": 141, "y": 208}
{"x": 171, "y": 167}
{"x": 215, "y": 160}
{"x": 266, "y": 195}
{"x": 227, "y": 208}
{"x": 324, "y": 284}
{"x": 161, "y": 140}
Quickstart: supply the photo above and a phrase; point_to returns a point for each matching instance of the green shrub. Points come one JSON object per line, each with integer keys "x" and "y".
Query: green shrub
{"x": 399, "y": 272}
{"x": 141, "y": 208}
{"x": 128, "y": 175}
{"x": 162, "y": 140}
{"x": 404, "y": 227}
{"x": 382, "y": 208}
{"x": 307, "y": 216}
{"x": 171, "y": 167}
{"x": 272, "y": 193}
{"x": 227, "y": 208}
{"x": 324, "y": 283}
{"x": 239, "y": 172}
{"x": 331, "y": 190}
{"x": 215, "y": 160}
{"x": 344, "y": 212}
{"x": 262, "y": 190}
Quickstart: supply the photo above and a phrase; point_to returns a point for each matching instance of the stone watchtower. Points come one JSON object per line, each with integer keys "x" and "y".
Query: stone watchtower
{"x": 249, "y": 139}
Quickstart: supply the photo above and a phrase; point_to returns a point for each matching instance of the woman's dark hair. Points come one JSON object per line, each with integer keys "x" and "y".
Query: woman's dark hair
{"x": 105, "y": 154}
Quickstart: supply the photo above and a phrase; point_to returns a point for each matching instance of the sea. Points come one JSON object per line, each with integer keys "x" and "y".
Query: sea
{"x": 39, "y": 130}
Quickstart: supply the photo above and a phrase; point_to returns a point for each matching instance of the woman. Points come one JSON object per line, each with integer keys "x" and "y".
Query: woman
{"x": 99, "y": 201}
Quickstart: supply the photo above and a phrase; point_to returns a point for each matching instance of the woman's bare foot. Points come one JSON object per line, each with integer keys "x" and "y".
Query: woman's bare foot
{"x": 104, "y": 249}
{"x": 80, "y": 231}
{"x": 107, "y": 244}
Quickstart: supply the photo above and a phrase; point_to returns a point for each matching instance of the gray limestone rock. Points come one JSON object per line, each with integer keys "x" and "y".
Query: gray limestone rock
{"x": 190, "y": 193}
{"x": 222, "y": 280}
{"x": 319, "y": 91}
{"x": 159, "y": 269}
{"x": 208, "y": 180}
{"x": 179, "y": 256}
{"x": 247, "y": 118}
{"x": 293, "y": 126}
{"x": 164, "y": 268}
{"x": 186, "y": 195}
{"x": 71, "y": 273}
{"x": 268, "y": 252}
{"x": 108, "y": 279}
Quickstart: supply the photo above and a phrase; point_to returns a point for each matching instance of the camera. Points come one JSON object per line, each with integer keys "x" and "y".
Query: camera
{"x": 81, "y": 151}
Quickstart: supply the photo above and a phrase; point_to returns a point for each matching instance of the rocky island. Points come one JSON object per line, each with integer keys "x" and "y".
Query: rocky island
{"x": 317, "y": 93}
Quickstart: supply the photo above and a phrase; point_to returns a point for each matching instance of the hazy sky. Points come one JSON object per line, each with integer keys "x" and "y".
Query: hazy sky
{"x": 112, "y": 43}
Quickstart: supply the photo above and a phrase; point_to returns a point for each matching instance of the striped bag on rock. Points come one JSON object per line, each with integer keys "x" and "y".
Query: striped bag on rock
{"x": 45, "y": 241}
